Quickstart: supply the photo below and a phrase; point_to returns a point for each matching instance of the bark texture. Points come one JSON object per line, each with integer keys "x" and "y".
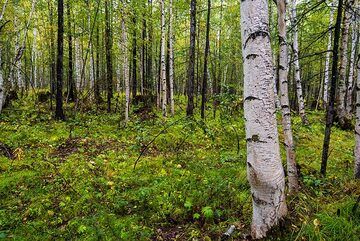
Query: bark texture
{"x": 284, "y": 98}
{"x": 350, "y": 86}
{"x": 299, "y": 89}
{"x": 265, "y": 171}
{"x": 126, "y": 68}
{"x": 327, "y": 61}
{"x": 341, "y": 107}
{"x": 162, "y": 60}
{"x": 171, "y": 59}
{"x": 357, "y": 126}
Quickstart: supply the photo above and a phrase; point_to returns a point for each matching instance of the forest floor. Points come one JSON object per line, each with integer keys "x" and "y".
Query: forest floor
{"x": 75, "y": 180}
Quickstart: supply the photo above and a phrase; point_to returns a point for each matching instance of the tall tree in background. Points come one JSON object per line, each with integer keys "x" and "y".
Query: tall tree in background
{"x": 71, "y": 83}
{"x": 344, "y": 120}
{"x": 206, "y": 54}
{"x": 162, "y": 60}
{"x": 285, "y": 106}
{"x": 299, "y": 89}
{"x": 265, "y": 171}
{"x": 327, "y": 61}
{"x": 134, "y": 59}
{"x": 59, "y": 112}
{"x": 191, "y": 75}
{"x": 108, "y": 47}
{"x": 350, "y": 84}
{"x": 171, "y": 58}
{"x": 357, "y": 125}
{"x": 334, "y": 77}
{"x": 125, "y": 64}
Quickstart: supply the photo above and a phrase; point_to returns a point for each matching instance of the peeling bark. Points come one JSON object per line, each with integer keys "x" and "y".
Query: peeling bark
{"x": 265, "y": 171}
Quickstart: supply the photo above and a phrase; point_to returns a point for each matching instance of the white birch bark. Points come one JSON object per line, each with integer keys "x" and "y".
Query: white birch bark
{"x": 357, "y": 125}
{"x": 92, "y": 68}
{"x": 163, "y": 65}
{"x": 2, "y": 91}
{"x": 34, "y": 58}
{"x": 299, "y": 90}
{"x": 341, "y": 108}
{"x": 126, "y": 68}
{"x": 350, "y": 86}
{"x": 171, "y": 59}
{"x": 264, "y": 168}
{"x": 78, "y": 66}
{"x": 327, "y": 61}
{"x": 285, "y": 106}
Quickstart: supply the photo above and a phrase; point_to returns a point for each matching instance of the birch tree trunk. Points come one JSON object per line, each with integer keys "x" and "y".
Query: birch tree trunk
{"x": 264, "y": 168}
{"x": 2, "y": 91}
{"x": 327, "y": 61}
{"x": 299, "y": 90}
{"x": 357, "y": 125}
{"x": 125, "y": 68}
{"x": 350, "y": 86}
{"x": 171, "y": 59}
{"x": 285, "y": 106}
{"x": 78, "y": 64}
{"x": 34, "y": 57}
{"x": 341, "y": 107}
{"x": 163, "y": 66}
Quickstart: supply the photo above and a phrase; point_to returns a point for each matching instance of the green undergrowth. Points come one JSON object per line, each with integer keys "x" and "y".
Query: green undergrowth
{"x": 75, "y": 180}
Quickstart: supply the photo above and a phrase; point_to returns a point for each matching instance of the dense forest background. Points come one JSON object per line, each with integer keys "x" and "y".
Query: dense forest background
{"x": 134, "y": 120}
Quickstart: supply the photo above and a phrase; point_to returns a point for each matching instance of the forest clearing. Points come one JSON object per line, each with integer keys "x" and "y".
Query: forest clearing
{"x": 180, "y": 120}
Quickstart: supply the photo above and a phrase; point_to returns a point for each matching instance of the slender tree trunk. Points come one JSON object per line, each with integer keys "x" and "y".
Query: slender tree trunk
{"x": 91, "y": 52}
{"x": 350, "y": 87}
{"x": 344, "y": 120}
{"x": 134, "y": 61}
{"x": 171, "y": 59}
{"x": 334, "y": 76}
{"x": 206, "y": 54}
{"x": 51, "y": 55}
{"x": 143, "y": 57}
{"x": 357, "y": 125}
{"x": 126, "y": 68}
{"x": 191, "y": 75}
{"x": 162, "y": 60}
{"x": 108, "y": 43}
{"x": 97, "y": 69}
{"x": 299, "y": 90}
{"x": 1, "y": 84}
{"x": 327, "y": 61}
{"x": 149, "y": 61}
{"x": 293, "y": 182}
{"x": 71, "y": 83}
{"x": 265, "y": 171}
{"x": 59, "y": 113}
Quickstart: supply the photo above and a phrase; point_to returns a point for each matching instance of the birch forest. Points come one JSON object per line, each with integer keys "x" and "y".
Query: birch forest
{"x": 180, "y": 120}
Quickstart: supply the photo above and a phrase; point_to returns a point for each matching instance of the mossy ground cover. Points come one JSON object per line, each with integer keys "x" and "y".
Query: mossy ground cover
{"x": 75, "y": 180}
